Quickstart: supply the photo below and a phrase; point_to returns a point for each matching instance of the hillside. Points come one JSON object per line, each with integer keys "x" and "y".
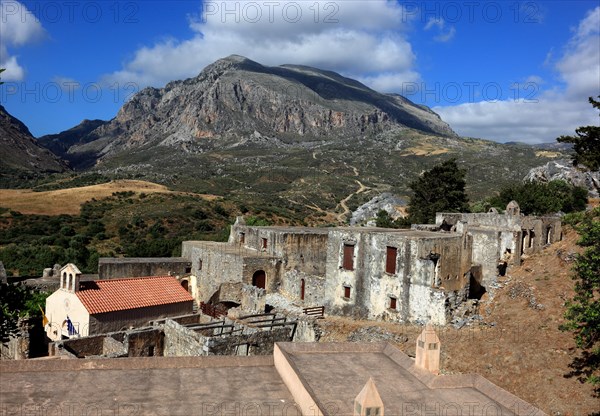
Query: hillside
{"x": 520, "y": 347}
{"x": 20, "y": 152}
{"x": 69, "y": 201}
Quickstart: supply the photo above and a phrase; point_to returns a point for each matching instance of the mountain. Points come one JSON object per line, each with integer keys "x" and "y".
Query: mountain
{"x": 235, "y": 97}
{"x": 297, "y": 142}
{"x": 60, "y": 143}
{"x": 20, "y": 152}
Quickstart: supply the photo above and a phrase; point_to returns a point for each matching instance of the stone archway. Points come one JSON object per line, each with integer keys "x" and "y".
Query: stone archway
{"x": 185, "y": 284}
{"x": 259, "y": 279}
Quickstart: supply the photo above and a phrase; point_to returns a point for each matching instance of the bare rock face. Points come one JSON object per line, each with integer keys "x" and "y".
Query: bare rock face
{"x": 369, "y": 210}
{"x": 564, "y": 170}
{"x": 236, "y": 97}
{"x": 20, "y": 151}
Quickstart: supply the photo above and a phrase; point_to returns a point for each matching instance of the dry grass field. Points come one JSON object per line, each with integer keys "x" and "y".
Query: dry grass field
{"x": 68, "y": 201}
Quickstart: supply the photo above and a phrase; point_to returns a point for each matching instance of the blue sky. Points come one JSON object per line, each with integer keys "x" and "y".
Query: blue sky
{"x": 502, "y": 70}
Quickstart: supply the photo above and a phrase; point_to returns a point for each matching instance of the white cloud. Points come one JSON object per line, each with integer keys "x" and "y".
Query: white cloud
{"x": 444, "y": 35}
{"x": 435, "y": 21}
{"x": 556, "y": 111}
{"x": 391, "y": 82}
{"x": 18, "y": 26}
{"x": 66, "y": 84}
{"x": 353, "y": 37}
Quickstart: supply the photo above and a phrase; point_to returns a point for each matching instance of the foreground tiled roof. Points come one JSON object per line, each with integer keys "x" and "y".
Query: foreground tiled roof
{"x": 121, "y": 294}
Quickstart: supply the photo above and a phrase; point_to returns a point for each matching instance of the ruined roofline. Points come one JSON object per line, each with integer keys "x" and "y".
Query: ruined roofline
{"x": 366, "y": 230}
{"x": 289, "y": 229}
{"x": 104, "y": 260}
{"x": 503, "y": 214}
{"x": 228, "y": 248}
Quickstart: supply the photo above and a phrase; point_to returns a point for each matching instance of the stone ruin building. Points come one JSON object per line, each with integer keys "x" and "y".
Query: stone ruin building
{"x": 418, "y": 275}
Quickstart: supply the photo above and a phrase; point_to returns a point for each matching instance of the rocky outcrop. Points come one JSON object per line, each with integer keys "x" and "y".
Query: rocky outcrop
{"x": 235, "y": 97}
{"x": 368, "y": 211}
{"x": 564, "y": 170}
{"x": 19, "y": 151}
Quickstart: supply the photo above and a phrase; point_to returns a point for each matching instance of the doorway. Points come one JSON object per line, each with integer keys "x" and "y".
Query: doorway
{"x": 259, "y": 279}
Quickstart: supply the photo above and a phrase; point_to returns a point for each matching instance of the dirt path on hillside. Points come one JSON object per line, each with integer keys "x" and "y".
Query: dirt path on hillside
{"x": 344, "y": 202}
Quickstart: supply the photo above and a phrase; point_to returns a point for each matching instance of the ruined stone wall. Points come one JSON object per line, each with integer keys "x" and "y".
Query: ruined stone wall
{"x": 537, "y": 232}
{"x": 428, "y": 267}
{"x": 182, "y": 341}
{"x": 299, "y": 248}
{"x": 271, "y": 266}
{"x": 486, "y": 219}
{"x": 211, "y": 266}
{"x": 82, "y": 347}
{"x": 146, "y": 343}
{"x": 116, "y": 268}
{"x": 143, "y": 342}
{"x": 314, "y": 288}
{"x": 298, "y": 255}
{"x": 113, "y": 348}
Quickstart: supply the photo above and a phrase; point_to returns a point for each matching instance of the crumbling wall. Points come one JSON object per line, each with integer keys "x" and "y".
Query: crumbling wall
{"x": 113, "y": 348}
{"x": 117, "y": 268}
{"x": 82, "y": 347}
{"x": 181, "y": 342}
{"x": 270, "y": 265}
{"x": 427, "y": 267}
{"x": 314, "y": 288}
{"x": 146, "y": 343}
{"x": 212, "y": 264}
{"x": 249, "y": 299}
{"x": 246, "y": 340}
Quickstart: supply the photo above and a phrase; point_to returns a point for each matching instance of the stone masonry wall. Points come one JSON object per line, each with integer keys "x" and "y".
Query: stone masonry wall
{"x": 115, "y": 268}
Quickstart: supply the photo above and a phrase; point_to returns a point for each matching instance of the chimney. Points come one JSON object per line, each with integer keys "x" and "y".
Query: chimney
{"x": 368, "y": 402}
{"x": 427, "y": 355}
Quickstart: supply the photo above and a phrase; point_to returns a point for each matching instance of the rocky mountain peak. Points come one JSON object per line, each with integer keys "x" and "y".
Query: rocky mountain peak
{"x": 19, "y": 151}
{"x": 235, "y": 96}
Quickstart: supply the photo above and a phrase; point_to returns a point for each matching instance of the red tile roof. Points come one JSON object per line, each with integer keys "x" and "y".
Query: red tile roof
{"x": 101, "y": 296}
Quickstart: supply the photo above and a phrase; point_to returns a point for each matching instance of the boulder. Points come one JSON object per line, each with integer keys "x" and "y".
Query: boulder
{"x": 386, "y": 201}
{"x": 564, "y": 170}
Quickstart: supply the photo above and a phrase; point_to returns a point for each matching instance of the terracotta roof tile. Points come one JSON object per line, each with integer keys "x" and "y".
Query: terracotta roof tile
{"x": 102, "y": 296}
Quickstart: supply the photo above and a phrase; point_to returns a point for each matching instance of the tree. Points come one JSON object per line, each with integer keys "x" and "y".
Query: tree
{"x": 439, "y": 189}
{"x": 384, "y": 220}
{"x": 537, "y": 198}
{"x": 17, "y": 301}
{"x": 583, "y": 311}
{"x": 586, "y": 143}
{"x": 1, "y": 71}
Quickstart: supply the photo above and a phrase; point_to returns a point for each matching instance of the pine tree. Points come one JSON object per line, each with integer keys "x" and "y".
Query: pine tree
{"x": 583, "y": 311}
{"x": 586, "y": 143}
{"x": 441, "y": 189}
